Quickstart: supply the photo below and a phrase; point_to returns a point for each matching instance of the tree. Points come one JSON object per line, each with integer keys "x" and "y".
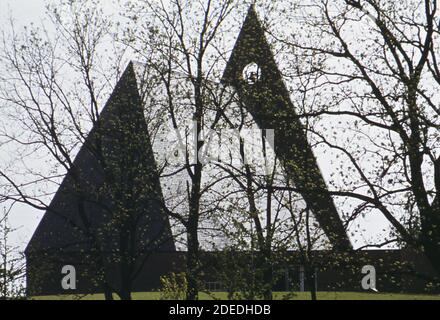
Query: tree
{"x": 12, "y": 266}
{"x": 186, "y": 55}
{"x": 53, "y": 87}
{"x": 375, "y": 78}
{"x": 184, "y": 52}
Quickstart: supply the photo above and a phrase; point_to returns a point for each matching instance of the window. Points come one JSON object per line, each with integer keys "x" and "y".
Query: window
{"x": 252, "y": 73}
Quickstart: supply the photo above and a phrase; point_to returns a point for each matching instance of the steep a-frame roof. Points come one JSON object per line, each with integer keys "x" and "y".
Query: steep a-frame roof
{"x": 268, "y": 100}
{"x": 116, "y": 156}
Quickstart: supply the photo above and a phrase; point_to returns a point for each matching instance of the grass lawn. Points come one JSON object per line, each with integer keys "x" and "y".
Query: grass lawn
{"x": 278, "y": 296}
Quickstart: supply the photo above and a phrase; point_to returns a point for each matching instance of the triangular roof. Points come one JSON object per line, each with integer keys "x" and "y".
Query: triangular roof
{"x": 121, "y": 129}
{"x": 268, "y": 101}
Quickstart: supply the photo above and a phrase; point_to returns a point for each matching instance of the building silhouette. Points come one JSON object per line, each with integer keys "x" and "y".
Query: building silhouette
{"x": 86, "y": 223}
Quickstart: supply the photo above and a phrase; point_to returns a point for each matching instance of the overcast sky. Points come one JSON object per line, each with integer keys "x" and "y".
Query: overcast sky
{"x": 23, "y": 13}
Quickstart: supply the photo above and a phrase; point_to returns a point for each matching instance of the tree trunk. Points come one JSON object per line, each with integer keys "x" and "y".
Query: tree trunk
{"x": 432, "y": 252}
{"x": 125, "y": 260}
{"x": 192, "y": 228}
{"x": 125, "y": 294}
{"x": 268, "y": 279}
{"x": 267, "y": 274}
{"x": 108, "y": 294}
{"x": 430, "y": 235}
{"x": 125, "y": 291}
{"x": 192, "y": 265}
{"x": 311, "y": 281}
